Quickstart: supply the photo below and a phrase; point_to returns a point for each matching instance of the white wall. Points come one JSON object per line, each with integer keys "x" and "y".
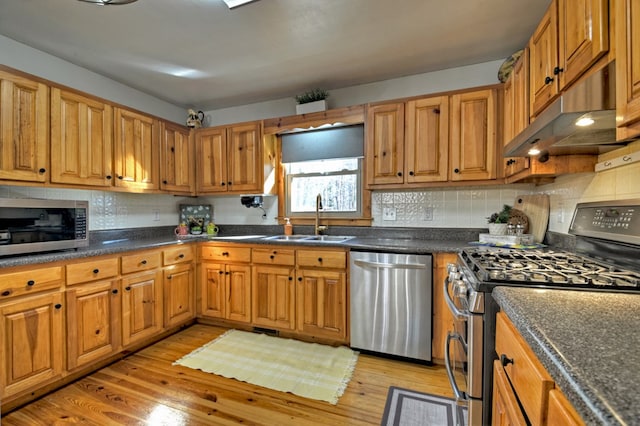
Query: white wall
{"x": 419, "y": 84}
{"x": 24, "y": 58}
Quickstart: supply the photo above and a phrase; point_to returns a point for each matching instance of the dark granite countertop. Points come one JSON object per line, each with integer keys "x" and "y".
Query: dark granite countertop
{"x": 118, "y": 241}
{"x": 589, "y": 343}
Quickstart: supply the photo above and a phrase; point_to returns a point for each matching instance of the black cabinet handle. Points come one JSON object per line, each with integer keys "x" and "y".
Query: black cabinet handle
{"x": 222, "y": 183}
{"x": 557, "y": 70}
{"x": 173, "y": 149}
{"x": 290, "y": 278}
{"x": 504, "y": 360}
{"x": 57, "y": 306}
{"x": 6, "y": 293}
{"x": 120, "y": 177}
{"x": 411, "y": 173}
{"x": 320, "y": 259}
{"x": 225, "y": 253}
{"x": 144, "y": 262}
{"x": 548, "y": 80}
{"x": 164, "y": 181}
{"x": 95, "y": 271}
{"x": 128, "y": 288}
{"x": 42, "y": 170}
{"x": 220, "y": 272}
{"x": 114, "y": 291}
{"x": 169, "y": 277}
{"x": 229, "y": 183}
{"x": 181, "y": 256}
{"x": 436, "y": 110}
{"x": 272, "y": 257}
{"x": 30, "y": 283}
{"x": 108, "y": 177}
{"x": 399, "y": 173}
{"x": 226, "y": 273}
{"x": 300, "y": 279}
{"x": 456, "y": 170}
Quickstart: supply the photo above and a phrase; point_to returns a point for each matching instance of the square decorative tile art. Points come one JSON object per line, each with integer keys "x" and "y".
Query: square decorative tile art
{"x": 196, "y": 217}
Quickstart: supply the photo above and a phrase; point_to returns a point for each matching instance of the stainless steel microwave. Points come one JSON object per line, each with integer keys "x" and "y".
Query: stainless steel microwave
{"x": 32, "y": 225}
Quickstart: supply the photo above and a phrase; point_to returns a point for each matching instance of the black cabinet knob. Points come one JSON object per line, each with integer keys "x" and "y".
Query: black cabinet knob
{"x": 272, "y": 257}
{"x": 57, "y": 306}
{"x": 320, "y": 259}
{"x": 548, "y": 80}
{"x": 95, "y": 271}
{"x": 6, "y": 293}
{"x": 222, "y": 183}
{"x": 114, "y": 291}
{"x": 456, "y": 170}
{"x": 229, "y": 183}
{"x": 411, "y": 173}
{"x": 557, "y": 70}
{"x": 290, "y": 278}
{"x": 108, "y": 177}
{"x": 30, "y": 283}
{"x": 42, "y": 170}
{"x": 225, "y": 253}
{"x": 173, "y": 149}
{"x": 144, "y": 262}
{"x": 504, "y": 361}
{"x": 220, "y": 272}
{"x": 120, "y": 177}
{"x": 300, "y": 279}
{"x": 399, "y": 173}
{"x": 164, "y": 181}
{"x": 128, "y": 288}
{"x": 181, "y": 256}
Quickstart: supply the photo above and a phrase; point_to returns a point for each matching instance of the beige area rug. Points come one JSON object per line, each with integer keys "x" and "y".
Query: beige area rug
{"x": 310, "y": 370}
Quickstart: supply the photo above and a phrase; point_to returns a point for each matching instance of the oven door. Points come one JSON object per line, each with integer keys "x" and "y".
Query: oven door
{"x": 464, "y": 353}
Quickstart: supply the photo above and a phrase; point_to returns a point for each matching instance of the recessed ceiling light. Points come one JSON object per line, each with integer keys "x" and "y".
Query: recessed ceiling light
{"x": 235, "y": 3}
{"x": 108, "y": 2}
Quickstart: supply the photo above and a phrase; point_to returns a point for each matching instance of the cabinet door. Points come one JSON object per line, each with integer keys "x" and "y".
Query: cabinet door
{"x": 385, "y": 144}
{"x": 238, "y": 293}
{"x": 81, "y": 140}
{"x": 473, "y": 136}
{"x": 583, "y": 36}
{"x": 93, "y": 313}
{"x": 321, "y": 303}
{"x": 212, "y": 290}
{"x": 24, "y": 129}
{"x": 273, "y": 293}
{"x": 520, "y": 77}
{"x": 32, "y": 337}
{"x": 176, "y": 159}
{"x": 543, "y": 51}
{"x": 141, "y": 307}
{"x": 505, "y": 409}
{"x": 427, "y": 140}
{"x": 561, "y": 412}
{"x": 211, "y": 160}
{"x": 244, "y": 167}
{"x": 136, "y": 150}
{"x": 627, "y": 68}
{"x": 179, "y": 299}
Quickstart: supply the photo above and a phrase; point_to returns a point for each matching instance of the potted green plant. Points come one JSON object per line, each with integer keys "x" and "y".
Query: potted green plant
{"x": 312, "y": 101}
{"x": 498, "y": 221}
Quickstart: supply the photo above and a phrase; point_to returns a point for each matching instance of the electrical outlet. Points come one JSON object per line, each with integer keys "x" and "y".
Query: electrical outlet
{"x": 389, "y": 213}
{"x": 156, "y": 215}
{"x": 428, "y": 214}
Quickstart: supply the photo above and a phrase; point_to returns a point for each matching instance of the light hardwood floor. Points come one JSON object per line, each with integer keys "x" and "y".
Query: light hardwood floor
{"x": 145, "y": 388}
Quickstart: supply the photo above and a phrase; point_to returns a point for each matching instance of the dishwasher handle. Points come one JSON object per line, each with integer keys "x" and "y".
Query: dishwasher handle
{"x": 366, "y": 264}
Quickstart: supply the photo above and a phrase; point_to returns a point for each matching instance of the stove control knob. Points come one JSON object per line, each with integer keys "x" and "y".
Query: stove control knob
{"x": 453, "y": 276}
{"x": 460, "y": 289}
{"x": 452, "y": 267}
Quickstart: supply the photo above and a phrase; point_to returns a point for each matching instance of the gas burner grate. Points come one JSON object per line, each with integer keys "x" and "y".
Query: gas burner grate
{"x": 547, "y": 268}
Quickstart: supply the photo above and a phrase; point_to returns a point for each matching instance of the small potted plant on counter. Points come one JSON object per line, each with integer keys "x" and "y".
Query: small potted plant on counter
{"x": 498, "y": 221}
{"x": 312, "y": 101}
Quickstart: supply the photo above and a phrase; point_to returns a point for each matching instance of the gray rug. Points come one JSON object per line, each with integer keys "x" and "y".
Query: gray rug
{"x": 410, "y": 408}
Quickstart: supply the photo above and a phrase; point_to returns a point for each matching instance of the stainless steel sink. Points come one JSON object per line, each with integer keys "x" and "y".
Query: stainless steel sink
{"x": 310, "y": 238}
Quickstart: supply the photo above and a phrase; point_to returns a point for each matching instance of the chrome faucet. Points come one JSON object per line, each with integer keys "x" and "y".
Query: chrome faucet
{"x": 318, "y": 228}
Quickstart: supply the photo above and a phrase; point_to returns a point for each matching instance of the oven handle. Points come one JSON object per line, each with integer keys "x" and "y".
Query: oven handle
{"x": 460, "y": 395}
{"x": 457, "y": 313}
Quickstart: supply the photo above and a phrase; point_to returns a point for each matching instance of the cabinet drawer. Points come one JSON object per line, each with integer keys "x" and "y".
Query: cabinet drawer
{"x": 19, "y": 283}
{"x": 530, "y": 380}
{"x": 178, "y": 254}
{"x": 274, "y": 256}
{"x": 92, "y": 270}
{"x": 322, "y": 258}
{"x": 226, "y": 253}
{"x": 141, "y": 262}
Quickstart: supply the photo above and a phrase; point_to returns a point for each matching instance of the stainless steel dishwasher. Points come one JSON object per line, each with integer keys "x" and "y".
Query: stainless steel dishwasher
{"x": 391, "y": 303}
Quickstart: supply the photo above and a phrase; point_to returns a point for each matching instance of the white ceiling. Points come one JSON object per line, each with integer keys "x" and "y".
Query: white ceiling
{"x": 198, "y": 53}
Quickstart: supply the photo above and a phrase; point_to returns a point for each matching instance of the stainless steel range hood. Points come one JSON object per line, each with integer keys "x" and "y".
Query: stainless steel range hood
{"x": 554, "y": 131}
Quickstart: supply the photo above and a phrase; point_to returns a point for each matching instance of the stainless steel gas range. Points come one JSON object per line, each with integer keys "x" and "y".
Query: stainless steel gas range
{"x": 606, "y": 258}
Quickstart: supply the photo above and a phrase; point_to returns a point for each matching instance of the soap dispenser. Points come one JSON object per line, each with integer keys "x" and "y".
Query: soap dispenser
{"x": 288, "y": 227}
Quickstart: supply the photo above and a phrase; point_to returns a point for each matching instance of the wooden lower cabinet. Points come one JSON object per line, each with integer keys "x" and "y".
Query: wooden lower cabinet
{"x": 179, "y": 295}
{"x": 322, "y": 303}
{"x": 505, "y": 410}
{"x": 141, "y": 306}
{"x": 93, "y": 322}
{"x": 273, "y": 297}
{"x": 225, "y": 291}
{"x": 32, "y": 343}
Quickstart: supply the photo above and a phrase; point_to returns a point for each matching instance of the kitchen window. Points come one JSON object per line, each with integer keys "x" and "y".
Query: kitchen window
{"x": 327, "y": 162}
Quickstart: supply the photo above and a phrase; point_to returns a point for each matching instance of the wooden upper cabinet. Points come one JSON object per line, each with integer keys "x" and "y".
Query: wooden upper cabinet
{"x": 572, "y": 35}
{"x": 385, "y": 143}
{"x": 516, "y": 111}
{"x": 81, "y": 140}
{"x": 583, "y": 36}
{"x": 211, "y": 155}
{"x": 472, "y": 153}
{"x": 543, "y": 51}
{"x": 427, "y": 140}
{"x": 136, "y": 150}
{"x": 229, "y": 159}
{"x": 627, "y": 68}
{"x": 24, "y": 128}
{"x": 176, "y": 159}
